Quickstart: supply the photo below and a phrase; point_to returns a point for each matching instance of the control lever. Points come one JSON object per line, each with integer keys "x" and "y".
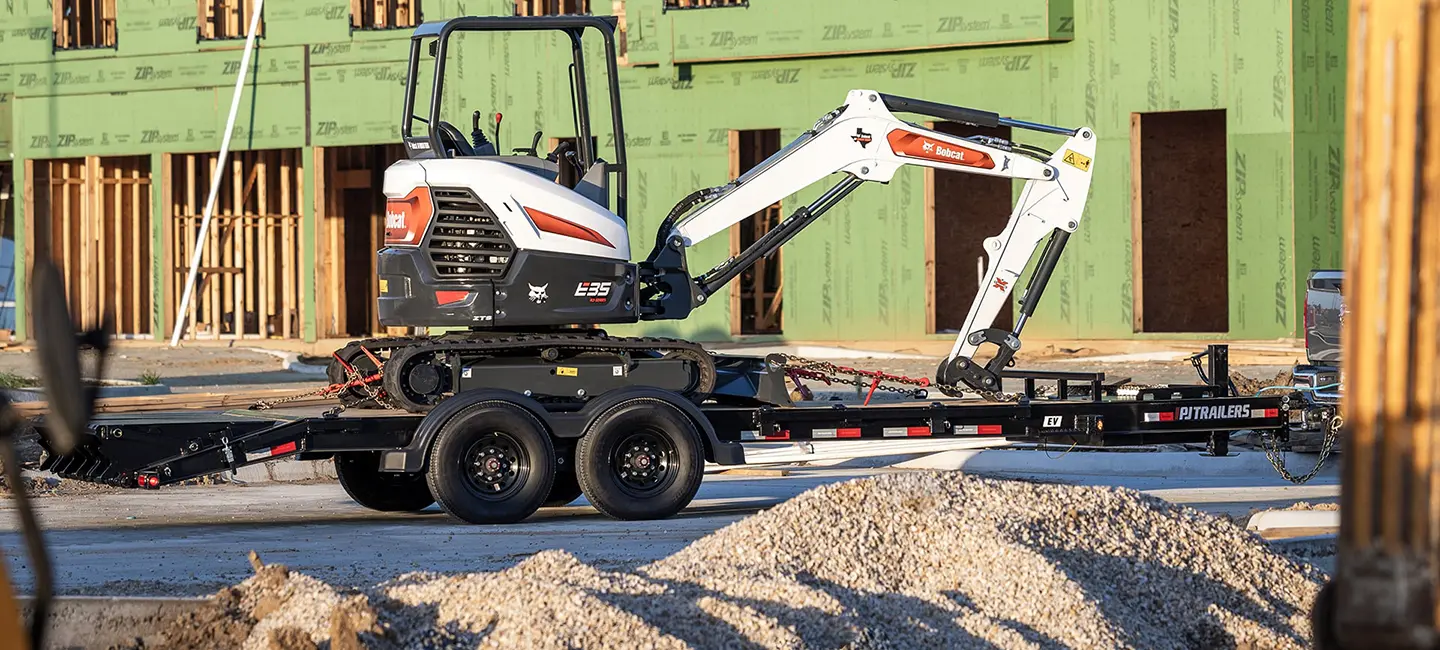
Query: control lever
{"x": 483, "y": 147}
{"x": 498, "y": 117}
{"x": 534, "y": 147}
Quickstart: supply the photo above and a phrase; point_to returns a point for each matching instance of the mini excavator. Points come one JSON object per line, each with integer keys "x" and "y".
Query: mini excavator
{"x": 520, "y": 258}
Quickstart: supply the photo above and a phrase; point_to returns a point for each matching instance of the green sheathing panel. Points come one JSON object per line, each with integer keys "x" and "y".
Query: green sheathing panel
{"x": 1319, "y": 70}
{"x": 1131, "y": 57}
{"x": 51, "y": 123}
{"x": 25, "y": 31}
{"x": 786, "y": 28}
{"x": 7, "y": 103}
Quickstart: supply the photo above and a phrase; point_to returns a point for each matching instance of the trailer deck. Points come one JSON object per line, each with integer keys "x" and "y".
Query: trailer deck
{"x": 654, "y": 437}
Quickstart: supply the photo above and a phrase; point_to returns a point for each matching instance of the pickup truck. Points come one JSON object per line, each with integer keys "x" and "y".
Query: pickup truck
{"x": 1324, "y": 313}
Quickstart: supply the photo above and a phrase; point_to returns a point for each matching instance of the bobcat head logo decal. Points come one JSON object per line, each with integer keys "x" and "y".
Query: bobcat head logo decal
{"x": 537, "y": 294}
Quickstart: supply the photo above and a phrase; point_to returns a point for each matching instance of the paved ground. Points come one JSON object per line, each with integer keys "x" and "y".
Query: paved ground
{"x": 191, "y": 541}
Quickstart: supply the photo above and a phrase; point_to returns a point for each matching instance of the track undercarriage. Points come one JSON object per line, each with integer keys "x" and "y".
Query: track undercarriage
{"x": 415, "y": 373}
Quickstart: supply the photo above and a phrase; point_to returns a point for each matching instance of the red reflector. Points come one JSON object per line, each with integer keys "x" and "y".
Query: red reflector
{"x": 283, "y": 449}
{"x": 450, "y": 297}
{"x": 847, "y": 433}
{"x": 1167, "y": 417}
{"x": 1272, "y": 413}
{"x": 783, "y": 435}
{"x": 989, "y": 430}
{"x": 917, "y": 432}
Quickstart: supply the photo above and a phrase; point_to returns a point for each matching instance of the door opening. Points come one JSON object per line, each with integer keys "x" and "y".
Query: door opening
{"x": 756, "y": 296}
{"x": 964, "y": 210}
{"x": 1180, "y": 222}
{"x": 352, "y": 230}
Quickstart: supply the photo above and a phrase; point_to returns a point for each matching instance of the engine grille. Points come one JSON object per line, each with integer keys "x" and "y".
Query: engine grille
{"x": 466, "y": 238}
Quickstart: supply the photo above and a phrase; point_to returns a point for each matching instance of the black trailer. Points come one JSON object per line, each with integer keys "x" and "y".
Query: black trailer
{"x": 495, "y": 456}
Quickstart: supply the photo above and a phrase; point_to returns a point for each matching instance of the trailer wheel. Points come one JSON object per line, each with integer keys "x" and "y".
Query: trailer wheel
{"x": 360, "y": 475}
{"x": 492, "y": 463}
{"x": 567, "y": 486}
{"x": 640, "y": 459}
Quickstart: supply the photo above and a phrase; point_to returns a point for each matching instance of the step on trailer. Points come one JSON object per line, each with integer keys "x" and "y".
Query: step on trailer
{"x": 496, "y": 456}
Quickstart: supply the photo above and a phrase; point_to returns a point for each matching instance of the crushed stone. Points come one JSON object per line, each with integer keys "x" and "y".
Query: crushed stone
{"x": 925, "y": 559}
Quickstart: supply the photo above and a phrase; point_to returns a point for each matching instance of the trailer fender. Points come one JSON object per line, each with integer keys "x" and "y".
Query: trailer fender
{"x": 411, "y": 457}
{"x": 716, "y": 450}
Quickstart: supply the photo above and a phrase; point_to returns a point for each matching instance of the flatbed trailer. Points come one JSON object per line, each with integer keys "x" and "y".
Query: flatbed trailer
{"x": 636, "y": 452}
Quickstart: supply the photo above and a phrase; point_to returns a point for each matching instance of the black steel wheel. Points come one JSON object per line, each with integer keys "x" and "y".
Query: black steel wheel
{"x": 356, "y": 397}
{"x": 360, "y": 475}
{"x": 640, "y": 459}
{"x": 567, "y": 485}
{"x": 415, "y": 379}
{"x": 491, "y": 463}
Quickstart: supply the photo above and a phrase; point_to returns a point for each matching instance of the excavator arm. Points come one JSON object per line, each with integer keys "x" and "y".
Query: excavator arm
{"x": 866, "y": 142}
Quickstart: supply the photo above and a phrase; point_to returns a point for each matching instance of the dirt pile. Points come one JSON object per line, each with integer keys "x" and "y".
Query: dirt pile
{"x": 1247, "y": 386}
{"x": 895, "y": 561}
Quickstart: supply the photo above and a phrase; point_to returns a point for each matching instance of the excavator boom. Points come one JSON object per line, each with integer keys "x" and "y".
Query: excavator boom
{"x": 863, "y": 140}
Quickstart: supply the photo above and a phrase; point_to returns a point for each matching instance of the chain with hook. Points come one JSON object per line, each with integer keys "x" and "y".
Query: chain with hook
{"x": 1327, "y": 444}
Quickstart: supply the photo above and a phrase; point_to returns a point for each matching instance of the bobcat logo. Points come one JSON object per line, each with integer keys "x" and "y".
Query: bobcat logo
{"x": 537, "y": 294}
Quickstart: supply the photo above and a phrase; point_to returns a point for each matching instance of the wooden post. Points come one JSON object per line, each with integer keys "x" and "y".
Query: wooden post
{"x": 1137, "y": 279}
{"x": 287, "y": 242}
{"x": 1384, "y": 592}
{"x": 928, "y": 219}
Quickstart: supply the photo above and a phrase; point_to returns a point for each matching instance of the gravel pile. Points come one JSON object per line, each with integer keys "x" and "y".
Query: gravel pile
{"x": 895, "y": 561}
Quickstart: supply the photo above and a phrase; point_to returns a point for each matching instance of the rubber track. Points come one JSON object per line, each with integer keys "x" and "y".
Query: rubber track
{"x": 537, "y": 342}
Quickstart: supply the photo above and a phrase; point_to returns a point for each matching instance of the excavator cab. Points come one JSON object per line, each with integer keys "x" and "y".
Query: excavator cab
{"x": 573, "y": 163}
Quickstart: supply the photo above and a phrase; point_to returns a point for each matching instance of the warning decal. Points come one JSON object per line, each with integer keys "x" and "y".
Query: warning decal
{"x": 1078, "y": 161}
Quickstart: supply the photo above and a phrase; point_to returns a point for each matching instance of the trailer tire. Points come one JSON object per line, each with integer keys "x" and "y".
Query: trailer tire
{"x": 360, "y": 476}
{"x": 640, "y": 459}
{"x": 491, "y": 463}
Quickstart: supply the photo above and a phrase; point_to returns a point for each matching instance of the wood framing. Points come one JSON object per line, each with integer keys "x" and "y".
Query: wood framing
{"x": 756, "y": 303}
{"x": 248, "y": 281}
{"x": 350, "y": 215}
{"x": 226, "y": 19}
{"x": 81, "y": 24}
{"x": 1137, "y": 279}
{"x": 701, "y": 4}
{"x": 384, "y": 14}
{"x": 929, "y": 225}
{"x": 96, "y": 216}
{"x": 551, "y": 7}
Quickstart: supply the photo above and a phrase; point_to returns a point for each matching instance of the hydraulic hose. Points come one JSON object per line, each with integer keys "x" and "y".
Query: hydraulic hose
{"x": 684, "y": 206}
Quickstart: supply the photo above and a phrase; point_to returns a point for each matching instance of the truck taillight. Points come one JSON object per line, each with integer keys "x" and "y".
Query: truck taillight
{"x": 406, "y": 219}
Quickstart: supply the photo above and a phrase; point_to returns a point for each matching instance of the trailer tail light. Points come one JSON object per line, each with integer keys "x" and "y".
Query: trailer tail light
{"x": 407, "y": 219}
{"x": 150, "y": 481}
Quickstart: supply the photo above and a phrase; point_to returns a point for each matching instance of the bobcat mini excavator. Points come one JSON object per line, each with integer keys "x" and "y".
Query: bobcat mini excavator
{"x": 510, "y": 253}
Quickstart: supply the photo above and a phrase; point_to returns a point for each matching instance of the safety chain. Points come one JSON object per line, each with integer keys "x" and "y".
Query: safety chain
{"x": 829, "y": 373}
{"x": 1272, "y": 451}
{"x": 353, "y": 379}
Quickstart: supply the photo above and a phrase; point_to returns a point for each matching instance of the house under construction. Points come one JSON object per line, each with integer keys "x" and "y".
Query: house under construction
{"x": 1217, "y": 185}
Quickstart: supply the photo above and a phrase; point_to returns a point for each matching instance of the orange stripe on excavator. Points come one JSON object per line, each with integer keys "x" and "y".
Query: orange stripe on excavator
{"x": 915, "y": 145}
{"x": 554, "y": 225}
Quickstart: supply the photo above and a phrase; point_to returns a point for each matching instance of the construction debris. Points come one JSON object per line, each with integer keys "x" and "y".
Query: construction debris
{"x": 894, "y": 561}
{"x": 1247, "y": 386}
